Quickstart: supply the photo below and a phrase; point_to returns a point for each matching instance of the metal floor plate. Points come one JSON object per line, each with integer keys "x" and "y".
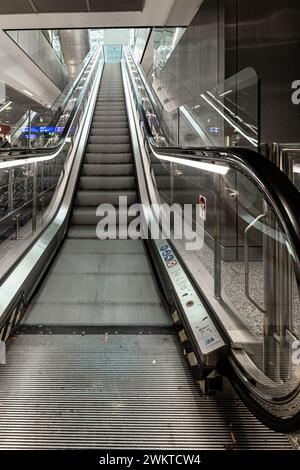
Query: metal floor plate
{"x": 115, "y": 391}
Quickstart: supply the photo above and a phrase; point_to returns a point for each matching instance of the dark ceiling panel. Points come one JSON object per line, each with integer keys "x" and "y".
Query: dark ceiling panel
{"x": 117, "y": 5}
{"x": 8, "y": 7}
{"x": 60, "y": 6}
{"x": 71, "y": 6}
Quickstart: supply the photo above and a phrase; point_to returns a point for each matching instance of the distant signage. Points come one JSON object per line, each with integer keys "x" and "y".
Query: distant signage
{"x": 43, "y": 129}
{"x": 213, "y": 130}
{"x": 31, "y": 136}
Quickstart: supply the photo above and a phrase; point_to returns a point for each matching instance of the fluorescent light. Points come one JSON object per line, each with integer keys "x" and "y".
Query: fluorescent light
{"x": 226, "y": 93}
{"x": 26, "y": 161}
{"x": 27, "y": 92}
{"x": 296, "y": 168}
{"x": 5, "y": 106}
{"x": 211, "y": 167}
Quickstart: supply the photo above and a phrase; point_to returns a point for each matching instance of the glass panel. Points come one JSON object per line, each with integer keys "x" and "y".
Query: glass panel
{"x": 243, "y": 259}
{"x": 25, "y": 123}
{"x": 26, "y": 191}
{"x": 139, "y": 42}
{"x": 226, "y": 116}
{"x": 246, "y": 259}
{"x": 44, "y": 50}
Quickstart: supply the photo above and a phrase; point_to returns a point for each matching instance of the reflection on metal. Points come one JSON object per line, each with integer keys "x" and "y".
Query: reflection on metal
{"x": 252, "y": 141}
{"x": 246, "y": 261}
{"x": 75, "y": 46}
{"x": 204, "y": 136}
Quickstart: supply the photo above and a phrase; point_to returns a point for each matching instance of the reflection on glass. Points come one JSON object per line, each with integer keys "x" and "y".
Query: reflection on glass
{"x": 226, "y": 116}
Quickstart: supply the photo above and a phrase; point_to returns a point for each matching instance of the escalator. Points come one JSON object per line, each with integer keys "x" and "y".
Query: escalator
{"x": 94, "y": 359}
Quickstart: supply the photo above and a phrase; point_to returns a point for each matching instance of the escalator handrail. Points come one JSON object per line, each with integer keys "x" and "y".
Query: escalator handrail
{"x": 275, "y": 185}
{"x": 40, "y": 151}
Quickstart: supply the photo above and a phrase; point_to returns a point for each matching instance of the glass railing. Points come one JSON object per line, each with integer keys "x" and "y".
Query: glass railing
{"x": 40, "y": 127}
{"x": 36, "y": 44}
{"x": 242, "y": 248}
{"x": 227, "y": 115}
{"x": 30, "y": 183}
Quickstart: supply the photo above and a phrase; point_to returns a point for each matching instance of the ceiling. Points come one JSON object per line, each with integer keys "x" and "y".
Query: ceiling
{"x": 79, "y": 14}
{"x": 68, "y": 6}
{"x": 18, "y": 107}
{"x": 75, "y": 46}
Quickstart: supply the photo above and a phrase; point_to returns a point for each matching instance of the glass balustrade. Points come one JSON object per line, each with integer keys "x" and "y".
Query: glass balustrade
{"x": 246, "y": 260}
{"x": 29, "y": 185}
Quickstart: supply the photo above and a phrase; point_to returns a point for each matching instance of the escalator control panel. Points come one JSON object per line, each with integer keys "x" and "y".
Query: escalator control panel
{"x": 205, "y": 333}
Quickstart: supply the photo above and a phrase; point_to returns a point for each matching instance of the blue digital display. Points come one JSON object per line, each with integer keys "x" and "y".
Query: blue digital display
{"x": 43, "y": 129}
{"x": 213, "y": 130}
{"x": 31, "y": 136}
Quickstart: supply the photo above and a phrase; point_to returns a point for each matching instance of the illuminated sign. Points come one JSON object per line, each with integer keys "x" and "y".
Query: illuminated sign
{"x": 42, "y": 129}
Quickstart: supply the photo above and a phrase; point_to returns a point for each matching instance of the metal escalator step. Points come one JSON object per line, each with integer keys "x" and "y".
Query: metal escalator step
{"x": 84, "y": 232}
{"x": 112, "y": 99}
{"x": 107, "y": 148}
{"x": 109, "y": 106}
{"x": 116, "y": 95}
{"x": 109, "y": 131}
{"x": 97, "y": 288}
{"x": 106, "y": 118}
{"x": 114, "y": 114}
{"x": 109, "y": 139}
{"x": 110, "y": 125}
{"x": 102, "y": 182}
{"x": 100, "y": 263}
{"x": 115, "y": 391}
{"x": 110, "y": 116}
{"x": 98, "y": 158}
{"x": 87, "y": 216}
{"x": 135, "y": 315}
{"x": 96, "y": 197}
{"x": 106, "y": 246}
{"x": 121, "y": 169}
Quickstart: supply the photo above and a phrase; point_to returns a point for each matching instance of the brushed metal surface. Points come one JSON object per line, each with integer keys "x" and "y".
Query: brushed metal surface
{"x": 115, "y": 391}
